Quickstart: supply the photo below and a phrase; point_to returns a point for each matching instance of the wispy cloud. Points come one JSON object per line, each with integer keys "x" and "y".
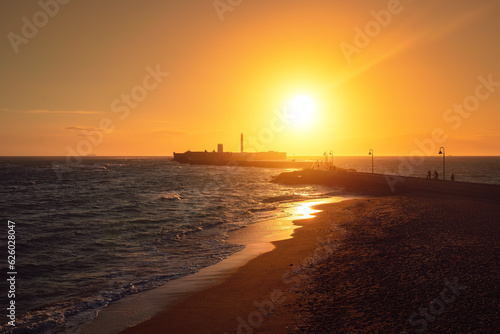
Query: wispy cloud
{"x": 77, "y": 112}
{"x": 170, "y": 132}
{"x": 45, "y": 111}
{"x": 82, "y": 128}
{"x": 184, "y": 133}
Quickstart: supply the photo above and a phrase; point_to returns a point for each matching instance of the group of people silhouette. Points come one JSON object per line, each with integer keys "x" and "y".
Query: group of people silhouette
{"x": 436, "y": 175}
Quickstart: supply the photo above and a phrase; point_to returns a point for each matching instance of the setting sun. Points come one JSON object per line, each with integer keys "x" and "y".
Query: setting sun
{"x": 301, "y": 110}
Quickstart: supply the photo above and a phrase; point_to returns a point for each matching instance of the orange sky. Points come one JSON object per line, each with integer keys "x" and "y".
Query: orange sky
{"x": 64, "y": 88}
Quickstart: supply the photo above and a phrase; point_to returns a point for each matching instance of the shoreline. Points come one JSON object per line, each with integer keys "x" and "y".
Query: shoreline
{"x": 257, "y": 238}
{"x": 256, "y": 285}
{"x": 362, "y": 265}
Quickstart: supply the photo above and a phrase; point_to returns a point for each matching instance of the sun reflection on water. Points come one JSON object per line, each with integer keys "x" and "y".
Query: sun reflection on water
{"x": 305, "y": 210}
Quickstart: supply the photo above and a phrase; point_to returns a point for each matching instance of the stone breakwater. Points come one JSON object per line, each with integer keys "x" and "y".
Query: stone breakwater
{"x": 383, "y": 184}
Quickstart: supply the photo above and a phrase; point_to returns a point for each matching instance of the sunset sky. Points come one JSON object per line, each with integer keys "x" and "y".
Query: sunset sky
{"x": 150, "y": 77}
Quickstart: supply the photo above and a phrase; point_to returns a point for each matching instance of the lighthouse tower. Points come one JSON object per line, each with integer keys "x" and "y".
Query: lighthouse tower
{"x": 242, "y": 143}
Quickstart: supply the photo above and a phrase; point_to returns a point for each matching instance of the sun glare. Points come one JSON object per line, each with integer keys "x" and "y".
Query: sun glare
{"x": 301, "y": 110}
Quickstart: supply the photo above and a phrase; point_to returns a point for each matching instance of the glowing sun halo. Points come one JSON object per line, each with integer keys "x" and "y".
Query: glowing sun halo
{"x": 301, "y": 110}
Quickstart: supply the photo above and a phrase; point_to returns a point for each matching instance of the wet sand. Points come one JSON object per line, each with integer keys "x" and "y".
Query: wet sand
{"x": 258, "y": 239}
{"x": 410, "y": 263}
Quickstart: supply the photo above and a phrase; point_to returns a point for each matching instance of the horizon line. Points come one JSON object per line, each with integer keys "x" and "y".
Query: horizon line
{"x": 171, "y": 156}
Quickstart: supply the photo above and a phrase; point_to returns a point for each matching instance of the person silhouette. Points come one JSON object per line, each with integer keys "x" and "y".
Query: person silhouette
{"x": 453, "y": 176}
{"x": 436, "y": 175}
{"x": 429, "y": 174}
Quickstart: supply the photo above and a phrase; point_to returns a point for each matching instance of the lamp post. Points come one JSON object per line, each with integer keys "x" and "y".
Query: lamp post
{"x": 442, "y": 151}
{"x": 370, "y": 152}
{"x": 331, "y": 154}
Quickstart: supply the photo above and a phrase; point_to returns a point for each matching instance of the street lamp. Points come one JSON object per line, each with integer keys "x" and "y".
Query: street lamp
{"x": 331, "y": 153}
{"x": 442, "y": 151}
{"x": 370, "y": 152}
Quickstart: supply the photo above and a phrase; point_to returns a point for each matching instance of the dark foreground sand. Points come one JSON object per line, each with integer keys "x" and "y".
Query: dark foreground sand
{"x": 414, "y": 263}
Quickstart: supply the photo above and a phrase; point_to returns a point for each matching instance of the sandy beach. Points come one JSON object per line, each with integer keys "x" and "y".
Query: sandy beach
{"x": 413, "y": 263}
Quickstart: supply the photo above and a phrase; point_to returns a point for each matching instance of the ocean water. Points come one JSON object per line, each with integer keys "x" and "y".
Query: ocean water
{"x": 90, "y": 233}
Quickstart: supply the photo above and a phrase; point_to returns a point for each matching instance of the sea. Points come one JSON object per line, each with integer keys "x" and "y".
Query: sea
{"x": 92, "y": 231}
